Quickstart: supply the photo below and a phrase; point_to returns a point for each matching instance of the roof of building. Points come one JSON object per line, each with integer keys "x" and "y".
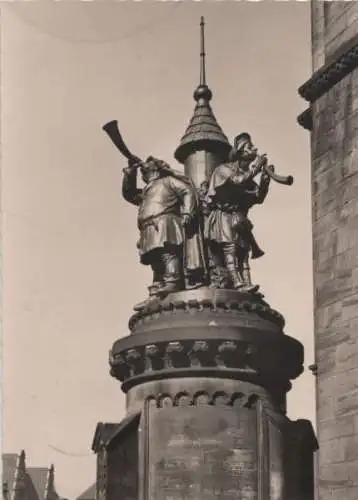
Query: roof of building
{"x": 89, "y": 494}
{"x": 31, "y": 492}
{"x": 104, "y": 430}
{"x": 39, "y": 479}
{"x": 38, "y": 482}
{"x": 9, "y": 464}
{"x": 129, "y": 423}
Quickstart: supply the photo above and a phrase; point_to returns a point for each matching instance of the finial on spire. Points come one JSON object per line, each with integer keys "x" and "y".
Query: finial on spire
{"x": 202, "y": 92}
{"x": 202, "y": 52}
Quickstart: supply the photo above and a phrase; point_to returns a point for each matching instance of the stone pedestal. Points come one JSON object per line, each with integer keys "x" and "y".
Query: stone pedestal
{"x": 206, "y": 374}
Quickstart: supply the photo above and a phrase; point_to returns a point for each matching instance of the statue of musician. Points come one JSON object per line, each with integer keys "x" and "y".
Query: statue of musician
{"x": 170, "y": 241}
{"x": 232, "y": 192}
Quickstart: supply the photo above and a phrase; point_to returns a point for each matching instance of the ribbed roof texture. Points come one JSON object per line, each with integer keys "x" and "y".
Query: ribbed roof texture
{"x": 203, "y": 132}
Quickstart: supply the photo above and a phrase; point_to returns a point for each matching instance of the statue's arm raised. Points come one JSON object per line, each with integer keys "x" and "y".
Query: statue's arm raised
{"x": 263, "y": 187}
{"x": 246, "y": 176}
{"x": 130, "y": 192}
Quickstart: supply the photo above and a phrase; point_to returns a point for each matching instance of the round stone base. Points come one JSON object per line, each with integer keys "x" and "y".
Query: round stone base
{"x": 208, "y": 333}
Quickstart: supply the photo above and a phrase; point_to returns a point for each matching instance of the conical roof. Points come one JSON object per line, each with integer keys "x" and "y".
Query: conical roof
{"x": 203, "y": 132}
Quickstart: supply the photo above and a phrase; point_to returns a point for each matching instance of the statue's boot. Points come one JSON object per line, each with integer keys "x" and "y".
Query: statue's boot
{"x": 169, "y": 286}
{"x": 230, "y": 263}
{"x": 171, "y": 279}
{"x": 153, "y": 297}
{"x": 248, "y": 286}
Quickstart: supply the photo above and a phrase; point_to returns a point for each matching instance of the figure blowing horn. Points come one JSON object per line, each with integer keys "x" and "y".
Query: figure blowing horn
{"x": 112, "y": 130}
{"x": 287, "y": 180}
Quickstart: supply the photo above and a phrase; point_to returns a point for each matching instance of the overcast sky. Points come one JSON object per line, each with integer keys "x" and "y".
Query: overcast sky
{"x": 70, "y": 265}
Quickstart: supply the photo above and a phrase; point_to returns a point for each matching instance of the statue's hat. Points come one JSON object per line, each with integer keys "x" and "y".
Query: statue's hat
{"x": 241, "y": 139}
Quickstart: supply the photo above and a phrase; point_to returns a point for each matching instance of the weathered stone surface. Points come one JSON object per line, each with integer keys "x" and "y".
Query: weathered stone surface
{"x": 212, "y": 400}
{"x": 335, "y": 249}
{"x": 340, "y": 20}
{"x": 337, "y": 394}
{"x": 343, "y": 427}
{"x": 339, "y": 475}
{"x": 123, "y": 467}
{"x": 202, "y": 453}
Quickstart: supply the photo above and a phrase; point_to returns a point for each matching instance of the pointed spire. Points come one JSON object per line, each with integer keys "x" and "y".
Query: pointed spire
{"x": 202, "y": 52}
{"x": 203, "y": 91}
{"x": 203, "y": 133}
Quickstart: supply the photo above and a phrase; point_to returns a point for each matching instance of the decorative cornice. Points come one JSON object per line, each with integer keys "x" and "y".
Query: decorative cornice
{"x": 339, "y": 65}
{"x": 185, "y": 303}
{"x": 305, "y": 119}
{"x": 247, "y": 399}
{"x": 249, "y": 359}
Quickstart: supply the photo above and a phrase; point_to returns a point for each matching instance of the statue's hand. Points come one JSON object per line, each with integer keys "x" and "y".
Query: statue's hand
{"x": 258, "y": 164}
{"x": 134, "y": 162}
{"x": 186, "y": 219}
{"x": 262, "y": 161}
{"x": 265, "y": 176}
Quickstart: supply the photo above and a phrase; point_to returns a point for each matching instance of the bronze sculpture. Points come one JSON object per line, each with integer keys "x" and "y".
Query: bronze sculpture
{"x": 232, "y": 192}
{"x": 196, "y": 237}
{"x": 168, "y": 221}
{"x": 168, "y": 224}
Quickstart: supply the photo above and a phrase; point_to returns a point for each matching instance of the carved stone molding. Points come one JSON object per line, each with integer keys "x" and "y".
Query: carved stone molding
{"x": 305, "y": 119}
{"x": 205, "y": 301}
{"x": 264, "y": 361}
{"x": 340, "y": 65}
{"x": 204, "y": 398}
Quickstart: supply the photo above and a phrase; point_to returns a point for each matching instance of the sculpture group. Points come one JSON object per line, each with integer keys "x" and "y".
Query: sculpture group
{"x": 197, "y": 237}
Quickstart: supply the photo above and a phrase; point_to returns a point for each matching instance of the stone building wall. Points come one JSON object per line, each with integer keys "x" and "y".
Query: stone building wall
{"x": 334, "y": 145}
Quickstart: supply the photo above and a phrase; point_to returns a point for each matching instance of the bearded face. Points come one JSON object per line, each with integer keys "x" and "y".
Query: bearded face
{"x": 150, "y": 171}
{"x": 247, "y": 152}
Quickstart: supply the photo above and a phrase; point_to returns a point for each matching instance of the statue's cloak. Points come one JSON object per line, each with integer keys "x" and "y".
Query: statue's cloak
{"x": 194, "y": 253}
{"x": 193, "y": 247}
{"x": 229, "y": 203}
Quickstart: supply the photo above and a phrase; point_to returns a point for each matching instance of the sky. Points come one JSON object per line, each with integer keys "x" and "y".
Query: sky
{"x": 70, "y": 267}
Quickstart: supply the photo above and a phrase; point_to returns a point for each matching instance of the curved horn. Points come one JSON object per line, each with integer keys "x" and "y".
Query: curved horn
{"x": 287, "y": 180}
{"x": 112, "y": 130}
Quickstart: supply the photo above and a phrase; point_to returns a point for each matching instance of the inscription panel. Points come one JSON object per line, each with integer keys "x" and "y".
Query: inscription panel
{"x": 206, "y": 453}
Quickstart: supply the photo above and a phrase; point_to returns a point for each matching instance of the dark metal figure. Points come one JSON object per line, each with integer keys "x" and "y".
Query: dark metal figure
{"x": 168, "y": 223}
{"x": 170, "y": 240}
{"x": 232, "y": 192}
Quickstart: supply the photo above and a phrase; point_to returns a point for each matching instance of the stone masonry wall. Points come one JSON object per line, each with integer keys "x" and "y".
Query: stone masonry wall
{"x": 335, "y": 240}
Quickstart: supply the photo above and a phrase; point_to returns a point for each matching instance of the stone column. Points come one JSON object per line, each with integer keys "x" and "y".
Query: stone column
{"x": 206, "y": 374}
